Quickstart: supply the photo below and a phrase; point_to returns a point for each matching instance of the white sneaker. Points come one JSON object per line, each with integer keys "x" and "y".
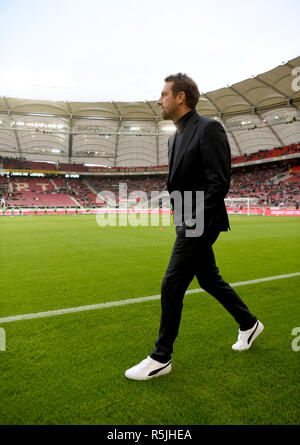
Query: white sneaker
{"x": 246, "y": 338}
{"x": 147, "y": 369}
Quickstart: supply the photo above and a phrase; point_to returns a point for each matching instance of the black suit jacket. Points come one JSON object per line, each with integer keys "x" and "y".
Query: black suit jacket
{"x": 203, "y": 162}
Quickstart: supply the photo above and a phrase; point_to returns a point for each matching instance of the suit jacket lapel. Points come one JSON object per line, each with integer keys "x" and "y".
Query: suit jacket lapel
{"x": 186, "y": 139}
{"x": 171, "y": 148}
{"x": 171, "y": 154}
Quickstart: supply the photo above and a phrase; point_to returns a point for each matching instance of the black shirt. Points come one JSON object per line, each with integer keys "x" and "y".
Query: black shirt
{"x": 180, "y": 125}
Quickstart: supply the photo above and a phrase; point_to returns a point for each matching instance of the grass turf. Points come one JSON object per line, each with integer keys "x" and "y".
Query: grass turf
{"x": 69, "y": 369}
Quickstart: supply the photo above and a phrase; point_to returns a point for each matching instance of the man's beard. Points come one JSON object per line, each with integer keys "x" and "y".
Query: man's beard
{"x": 165, "y": 115}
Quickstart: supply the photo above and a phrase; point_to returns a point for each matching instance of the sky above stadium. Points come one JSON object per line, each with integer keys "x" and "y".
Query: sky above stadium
{"x": 121, "y": 50}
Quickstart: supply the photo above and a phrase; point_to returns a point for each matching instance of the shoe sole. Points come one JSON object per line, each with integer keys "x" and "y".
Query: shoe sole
{"x": 162, "y": 372}
{"x": 258, "y": 331}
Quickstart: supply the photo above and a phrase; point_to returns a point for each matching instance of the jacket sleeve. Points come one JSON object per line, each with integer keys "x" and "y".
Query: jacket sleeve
{"x": 216, "y": 158}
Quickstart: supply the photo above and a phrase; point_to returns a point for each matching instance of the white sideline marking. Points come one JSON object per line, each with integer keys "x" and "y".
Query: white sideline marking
{"x": 130, "y": 301}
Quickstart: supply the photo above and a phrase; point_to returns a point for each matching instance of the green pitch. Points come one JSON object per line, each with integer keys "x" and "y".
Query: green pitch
{"x": 69, "y": 369}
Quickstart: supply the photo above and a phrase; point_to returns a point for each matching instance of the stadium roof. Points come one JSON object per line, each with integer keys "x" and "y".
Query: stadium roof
{"x": 105, "y": 133}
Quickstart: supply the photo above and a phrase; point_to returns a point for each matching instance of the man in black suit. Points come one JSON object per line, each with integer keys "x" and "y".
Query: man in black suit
{"x": 199, "y": 180}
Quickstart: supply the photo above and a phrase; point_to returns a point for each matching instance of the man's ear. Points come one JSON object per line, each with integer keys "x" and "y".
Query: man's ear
{"x": 181, "y": 97}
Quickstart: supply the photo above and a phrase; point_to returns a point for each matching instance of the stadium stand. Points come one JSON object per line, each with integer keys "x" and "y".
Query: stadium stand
{"x": 276, "y": 185}
{"x": 87, "y": 148}
{"x": 267, "y": 154}
{"x": 72, "y": 167}
{"x": 23, "y": 164}
{"x": 146, "y": 184}
{"x": 28, "y": 192}
{"x": 28, "y": 165}
{"x": 79, "y": 191}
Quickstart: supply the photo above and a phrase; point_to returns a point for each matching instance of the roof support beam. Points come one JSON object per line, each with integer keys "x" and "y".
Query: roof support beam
{"x": 236, "y": 142}
{"x": 254, "y": 109}
{"x": 288, "y": 99}
{"x": 70, "y": 142}
{"x": 70, "y": 147}
{"x": 156, "y": 131}
{"x": 224, "y": 123}
{"x": 116, "y": 151}
{"x": 272, "y": 87}
{"x": 271, "y": 129}
{"x": 289, "y": 102}
{"x": 14, "y": 131}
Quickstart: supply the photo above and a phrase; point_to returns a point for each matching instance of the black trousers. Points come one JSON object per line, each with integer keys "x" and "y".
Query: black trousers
{"x": 192, "y": 257}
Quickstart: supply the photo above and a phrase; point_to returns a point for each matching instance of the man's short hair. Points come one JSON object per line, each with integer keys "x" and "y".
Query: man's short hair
{"x": 182, "y": 82}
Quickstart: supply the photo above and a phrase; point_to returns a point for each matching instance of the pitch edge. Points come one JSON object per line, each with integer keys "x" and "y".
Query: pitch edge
{"x": 130, "y": 301}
